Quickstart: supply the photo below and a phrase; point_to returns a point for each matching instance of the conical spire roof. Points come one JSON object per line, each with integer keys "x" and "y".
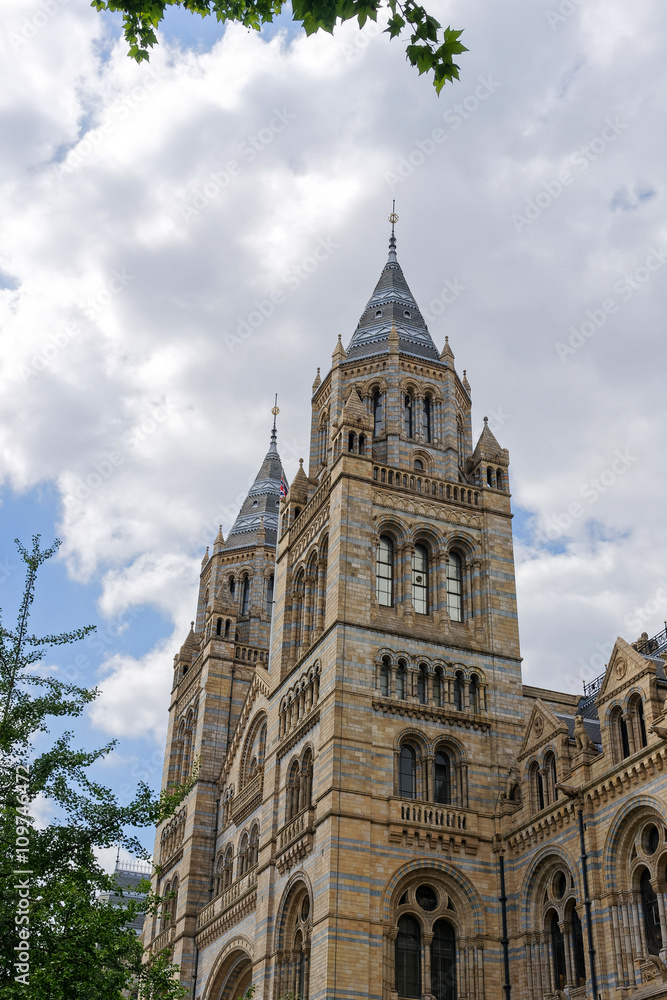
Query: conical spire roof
{"x": 262, "y": 502}
{"x": 392, "y": 303}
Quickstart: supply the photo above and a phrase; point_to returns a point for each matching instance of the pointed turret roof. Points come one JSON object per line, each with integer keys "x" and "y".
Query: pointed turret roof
{"x": 392, "y": 303}
{"x": 262, "y": 502}
{"x": 487, "y": 446}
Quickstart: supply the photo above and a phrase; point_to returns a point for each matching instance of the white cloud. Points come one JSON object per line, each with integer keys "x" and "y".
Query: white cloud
{"x": 147, "y": 210}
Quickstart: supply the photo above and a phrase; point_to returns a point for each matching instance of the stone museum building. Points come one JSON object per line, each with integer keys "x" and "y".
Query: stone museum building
{"x": 382, "y": 809}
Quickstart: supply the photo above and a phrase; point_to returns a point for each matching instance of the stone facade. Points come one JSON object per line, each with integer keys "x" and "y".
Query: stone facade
{"x": 382, "y": 809}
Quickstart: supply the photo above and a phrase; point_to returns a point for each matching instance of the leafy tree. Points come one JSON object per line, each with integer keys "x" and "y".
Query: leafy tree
{"x": 430, "y": 47}
{"x": 80, "y": 946}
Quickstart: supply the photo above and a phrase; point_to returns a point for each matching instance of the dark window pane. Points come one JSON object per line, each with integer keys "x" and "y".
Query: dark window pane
{"x": 558, "y": 951}
{"x": 442, "y": 779}
{"x": 651, "y": 915}
{"x": 443, "y": 962}
{"x": 408, "y": 958}
{"x": 406, "y": 773}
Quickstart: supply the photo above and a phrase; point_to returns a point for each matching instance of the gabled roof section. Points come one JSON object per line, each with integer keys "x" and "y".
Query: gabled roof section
{"x": 392, "y": 303}
{"x": 261, "y": 506}
{"x": 543, "y": 724}
{"x": 624, "y": 664}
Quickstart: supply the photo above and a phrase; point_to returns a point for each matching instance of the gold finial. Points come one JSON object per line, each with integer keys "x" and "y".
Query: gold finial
{"x": 393, "y": 218}
{"x": 275, "y": 411}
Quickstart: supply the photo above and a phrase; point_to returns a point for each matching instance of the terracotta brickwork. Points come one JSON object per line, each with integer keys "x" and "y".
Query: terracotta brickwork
{"x": 382, "y": 810}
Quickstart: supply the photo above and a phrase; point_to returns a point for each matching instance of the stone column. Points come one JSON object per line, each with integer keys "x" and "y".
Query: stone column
{"x": 392, "y": 680}
{"x": 621, "y": 974}
{"x": 429, "y": 686}
{"x": 663, "y": 922}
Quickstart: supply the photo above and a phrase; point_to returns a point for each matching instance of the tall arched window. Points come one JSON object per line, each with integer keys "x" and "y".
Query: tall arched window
{"x": 232, "y": 586}
{"x": 438, "y": 688}
{"x": 558, "y": 952}
{"x": 306, "y": 791}
{"x": 458, "y": 691}
{"x": 407, "y": 774}
{"x": 443, "y": 961}
{"x": 473, "y": 693}
{"x": 499, "y": 479}
{"x": 385, "y": 670}
{"x": 377, "y": 413}
{"x": 536, "y": 787}
{"x": 253, "y": 847}
{"x": 408, "y": 412}
{"x": 245, "y": 599}
{"x": 422, "y": 683}
{"x": 269, "y": 595}
{"x": 619, "y": 735}
{"x": 228, "y": 868}
{"x": 636, "y": 715}
{"x": 578, "y": 939}
{"x": 242, "y": 866}
{"x": 442, "y": 778}
{"x": 299, "y": 963}
{"x": 420, "y": 580}
{"x": 460, "y": 440}
{"x": 384, "y": 572}
{"x": 293, "y": 791}
{"x": 408, "y": 958}
{"x": 455, "y": 587}
{"x": 651, "y": 914}
{"x": 427, "y": 418}
{"x": 401, "y": 674}
{"x": 551, "y": 776}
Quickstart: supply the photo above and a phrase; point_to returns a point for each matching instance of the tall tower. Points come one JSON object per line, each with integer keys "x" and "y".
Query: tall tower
{"x": 354, "y": 783}
{"x": 225, "y": 651}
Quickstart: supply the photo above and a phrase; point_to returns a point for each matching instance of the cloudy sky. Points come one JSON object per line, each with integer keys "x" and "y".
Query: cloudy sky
{"x": 148, "y": 213}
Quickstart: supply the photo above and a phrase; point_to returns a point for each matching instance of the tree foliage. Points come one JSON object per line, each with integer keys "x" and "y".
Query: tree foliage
{"x": 80, "y": 945}
{"x": 430, "y": 48}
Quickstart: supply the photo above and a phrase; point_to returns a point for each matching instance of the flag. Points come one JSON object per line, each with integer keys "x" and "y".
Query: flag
{"x": 283, "y": 485}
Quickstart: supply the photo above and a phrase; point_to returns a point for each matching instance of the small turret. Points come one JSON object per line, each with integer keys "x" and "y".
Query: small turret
{"x": 317, "y": 383}
{"x": 447, "y": 354}
{"x": 489, "y": 463}
{"x": 339, "y": 354}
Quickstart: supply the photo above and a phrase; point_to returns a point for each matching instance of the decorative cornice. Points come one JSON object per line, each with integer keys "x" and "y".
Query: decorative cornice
{"x": 412, "y": 710}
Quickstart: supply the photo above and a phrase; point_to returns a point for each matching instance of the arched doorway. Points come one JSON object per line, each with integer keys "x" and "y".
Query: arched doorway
{"x": 232, "y": 977}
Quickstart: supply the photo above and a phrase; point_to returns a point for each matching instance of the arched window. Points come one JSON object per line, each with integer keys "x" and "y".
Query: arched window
{"x": 299, "y": 969}
{"x": 351, "y": 441}
{"x": 473, "y": 693}
{"x": 551, "y": 776}
{"x": 422, "y": 683}
{"x": 407, "y": 774}
{"x": 578, "y": 939}
{"x": 253, "y": 848}
{"x": 427, "y": 418}
{"x": 245, "y": 600}
{"x": 408, "y": 958}
{"x": 536, "y": 787}
{"x": 408, "y": 409}
{"x": 420, "y": 580}
{"x": 306, "y": 790}
{"x": 636, "y": 715}
{"x": 442, "y": 778}
{"x": 458, "y": 690}
{"x": 228, "y": 868}
{"x": 293, "y": 791}
{"x": 443, "y": 961}
{"x": 438, "y": 688}
{"x": 242, "y": 866}
{"x": 232, "y": 586}
{"x": 651, "y": 914}
{"x": 384, "y": 572}
{"x": 619, "y": 735}
{"x": 400, "y": 679}
{"x": 228, "y": 626}
{"x": 362, "y": 444}
{"x": 218, "y": 627}
{"x": 499, "y": 479}
{"x": 460, "y": 439}
{"x": 377, "y": 413}
{"x": 385, "y": 671}
{"x": 558, "y": 952}
{"x": 269, "y": 595}
{"x": 455, "y": 587}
